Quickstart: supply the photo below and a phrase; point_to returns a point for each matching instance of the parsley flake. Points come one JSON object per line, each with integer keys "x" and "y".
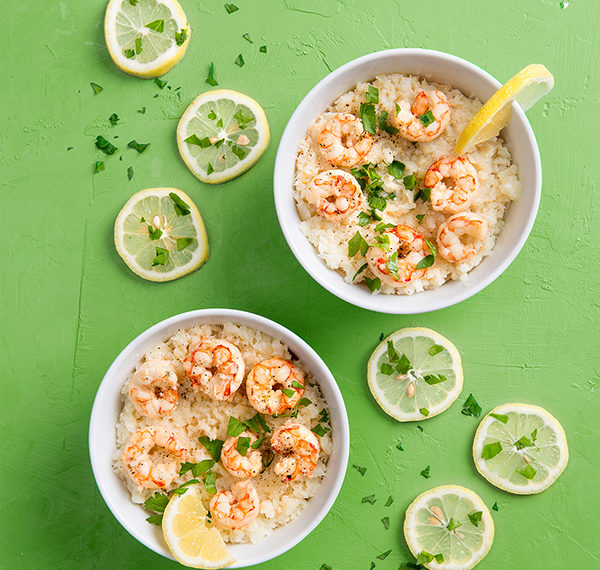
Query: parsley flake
{"x": 475, "y": 518}
{"x": 435, "y": 349}
{"x": 235, "y": 427}
{"x": 129, "y": 53}
{"x": 363, "y": 219}
{"x": 181, "y": 208}
{"x": 138, "y": 46}
{"x": 211, "y": 74}
{"x": 157, "y": 26}
{"x": 262, "y": 49}
{"x": 140, "y": 147}
{"x": 373, "y": 284}
{"x": 384, "y": 555}
{"x": 490, "y": 450}
{"x": 157, "y": 502}
{"x": 161, "y": 258}
{"x": 105, "y": 146}
{"x": 154, "y": 233}
{"x": 495, "y": 507}
{"x": 360, "y": 469}
{"x": 396, "y": 169}
{"x": 428, "y": 260}
{"x": 389, "y": 501}
{"x": 425, "y": 472}
{"x": 453, "y": 523}
{"x": 129, "y": 172}
{"x": 424, "y": 411}
{"x": 528, "y": 472}
{"x": 399, "y": 446}
{"x": 432, "y": 379}
{"x": 409, "y": 181}
{"x": 184, "y": 242}
{"x": 372, "y": 94}
{"x": 247, "y": 38}
{"x": 369, "y": 499}
{"x": 404, "y": 364}
{"x": 420, "y": 217}
{"x": 471, "y": 407}
{"x": 357, "y": 243}
{"x": 231, "y": 8}
{"x": 242, "y": 445}
{"x": 155, "y": 519}
{"x": 386, "y": 369}
{"x": 213, "y": 446}
{"x": 386, "y": 522}
{"x": 384, "y": 125}
{"x": 181, "y": 36}
{"x": 113, "y": 119}
{"x": 368, "y": 117}
{"x": 320, "y": 430}
{"x": 427, "y": 118}
{"x": 239, "y": 60}
{"x": 96, "y": 88}
{"x": 98, "y": 166}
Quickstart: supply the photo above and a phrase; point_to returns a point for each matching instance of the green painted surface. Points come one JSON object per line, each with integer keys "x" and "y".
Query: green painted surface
{"x": 69, "y": 304}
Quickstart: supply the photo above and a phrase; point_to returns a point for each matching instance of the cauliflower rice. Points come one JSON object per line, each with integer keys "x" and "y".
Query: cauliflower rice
{"x": 197, "y": 415}
{"x": 498, "y": 182}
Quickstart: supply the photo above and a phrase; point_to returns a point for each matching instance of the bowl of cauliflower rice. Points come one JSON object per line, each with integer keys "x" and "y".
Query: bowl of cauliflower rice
{"x": 232, "y": 410}
{"x": 374, "y": 201}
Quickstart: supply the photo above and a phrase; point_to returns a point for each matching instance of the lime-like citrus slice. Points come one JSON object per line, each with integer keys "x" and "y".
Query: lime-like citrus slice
{"x": 190, "y": 537}
{"x": 520, "y": 448}
{"x": 221, "y": 135}
{"x": 415, "y": 374}
{"x": 526, "y": 88}
{"x": 160, "y": 234}
{"x": 448, "y": 527}
{"x": 146, "y": 38}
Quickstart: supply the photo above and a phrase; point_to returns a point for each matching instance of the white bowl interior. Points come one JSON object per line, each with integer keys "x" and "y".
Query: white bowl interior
{"x": 436, "y": 66}
{"x": 108, "y": 405}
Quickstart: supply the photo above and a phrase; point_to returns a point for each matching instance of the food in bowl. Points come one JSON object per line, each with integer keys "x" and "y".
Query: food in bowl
{"x": 231, "y": 409}
{"x": 383, "y": 199}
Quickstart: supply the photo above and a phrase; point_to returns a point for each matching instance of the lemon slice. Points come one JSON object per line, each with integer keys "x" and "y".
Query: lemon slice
{"x": 160, "y": 234}
{"x": 191, "y": 539}
{"x": 448, "y": 527}
{"x": 146, "y": 38}
{"x": 526, "y": 88}
{"x": 415, "y": 374}
{"x": 520, "y": 448}
{"x": 221, "y": 135}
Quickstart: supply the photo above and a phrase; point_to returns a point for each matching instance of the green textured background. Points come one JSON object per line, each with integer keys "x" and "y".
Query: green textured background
{"x": 69, "y": 304}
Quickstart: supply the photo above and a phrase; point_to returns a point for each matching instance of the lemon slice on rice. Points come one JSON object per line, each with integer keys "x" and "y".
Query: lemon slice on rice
{"x": 160, "y": 234}
{"x": 191, "y": 539}
{"x": 448, "y": 527}
{"x": 146, "y": 38}
{"x": 415, "y": 374}
{"x": 520, "y": 448}
{"x": 221, "y": 135}
{"x": 526, "y": 88}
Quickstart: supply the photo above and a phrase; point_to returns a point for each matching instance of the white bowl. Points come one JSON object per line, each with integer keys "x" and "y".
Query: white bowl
{"x": 443, "y": 68}
{"x": 108, "y": 404}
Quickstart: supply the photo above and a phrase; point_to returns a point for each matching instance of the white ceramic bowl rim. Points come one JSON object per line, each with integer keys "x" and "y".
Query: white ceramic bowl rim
{"x": 102, "y": 437}
{"x": 519, "y": 218}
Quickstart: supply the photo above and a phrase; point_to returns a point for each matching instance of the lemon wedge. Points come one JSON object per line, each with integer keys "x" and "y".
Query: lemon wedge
{"x": 526, "y": 88}
{"x": 191, "y": 539}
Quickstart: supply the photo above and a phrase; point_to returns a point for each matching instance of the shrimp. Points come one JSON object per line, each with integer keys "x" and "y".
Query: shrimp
{"x": 461, "y": 236}
{"x": 453, "y": 183}
{"x": 274, "y": 385}
{"x": 299, "y": 448}
{"x": 396, "y": 264}
{"x": 235, "y": 508}
{"x": 216, "y": 367}
{"x": 415, "y": 123}
{"x": 343, "y": 140}
{"x": 153, "y": 389}
{"x": 239, "y": 465}
{"x": 154, "y": 470}
{"x": 336, "y": 194}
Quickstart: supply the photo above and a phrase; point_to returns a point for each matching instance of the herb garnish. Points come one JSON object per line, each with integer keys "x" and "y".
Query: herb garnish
{"x": 242, "y": 445}
{"x": 210, "y": 480}
{"x": 360, "y": 469}
{"x": 154, "y": 233}
{"x": 160, "y": 82}
{"x": 157, "y": 26}
{"x": 247, "y": 38}
{"x": 399, "y": 446}
{"x": 396, "y": 169}
{"x": 320, "y": 430}
{"x": 409, "y": 181}
{"x": 231, "y": 8}
{"x": 98, "y": 166}
{"x": 357, "y": 243}
{"x": 213, "y": 446}
{"x": 386, "y": 522}
{"x": 372, "y": 94}
{"x": 389, "y": 501}
{"x": 424, "y": 411}
{"x": 235, "y": 427}
{"x": 495, "y": 507}
{"x": 96, "y": 88}
{"x": 209, "y": 168}
{"x": 523, "y": 442}
{"x": 105, "y": 146}
{"x": 262, "y": 49}
{"x": 420, "y": 217}
{"x": 471, "y": 407}
{"x": 129, "y": 53}
{"x": 373, "y": 284}
{"x": 426, "y": 471}
{"x": 427, "y": 118}
{"x": 432, "y": 379}
{"x": 369, "y": 499}
{"x": 368, "y": 117}
{"x": 384, "y": 555}
{"x": 384, "y": 125}
{"x": 129, "y": 172}
{"x": 113, "y": 119}
{"x": 435, "y": 349}
{"x": 180, "y": 36}
{"x": 157, "y": 503}
{"x": 453, "y": 523}
{"x": 404, "y": 364}
{"x": 197, "y": 469}
{"x": 162, "y": 257}
{"x": 363, "y": 219}
{"x": 490, "y": 450}
{"x": 528, "y": 472}
{"x": 142, "y": 110}
{"x": 371, "y": 183}
{"x": 425, "y": 558}
{"x": 138, "y": 45}
{"x": 181, "y": 208}
{"x": 428, "y": 260}
{"x": 211, "y": 74}
{"x": 257, "y": 424}
{"x": 184, "y": 242}
{"x": 475, "y": 518}
{"x": 242, "y": 119}
{"x": 195, "y": 139}
{"x": 239, "y": 60}
{"x": 140, "y": 147}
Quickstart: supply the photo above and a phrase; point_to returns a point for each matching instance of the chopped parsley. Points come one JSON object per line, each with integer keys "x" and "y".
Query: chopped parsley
{"x": 369, "y": 499}
{"x": 371, "y": 183}
{"x": 196, "y": 468}
{"x": 98, "y": 166}
{"x": 242, "y": 119}
{"x": 471, "y": 407}
{"x": 435, "y": 349}
{"x": 138, "y": 45}
{"x": 181, "y": 208}
{"x": 389, "y": 501}
{"x": 495, "y": 507}
{"x": 157, "y": 502}
{"x": 239, "y": 60}
{"x": 113, "y": 119}
{"x": 242, "y": 445}
{"x": 373, "y": 284}
{"x": 386, "y": 522}
{"x": 155, "y": 519}
{"x": 384, "y": 555}
{"x": 235, "y": 427}
{"x": 432, "y": 379}
{"x": 404, "y": 364}
{"x": 409, "y": 181}
{"x": 387, "y": 369}
{"x": 154, "y": 233}
{"x": 399, "y": 446}
{"x": 325, "y": 567}
{"x": 424, "y": 411}
{"x": 528, "y": 472}
{"x": 523, "y": 442}
{"x": 195, "y": 139}
{"x": 475, "y": 518}
{"x": 105, "y": 146}
{"x": 372, "y": 94}
{"x": 420, "y": 428}
{"x": 213, "y": 446}
{"x": 157, "y": 26}
{"x": 424, "y": 557}
{"x": 129, "y": 172}
{"x": 425, "y": 472}
{"x": 96, "y": 88}
{"x": 420, "y": 217}
{"x": 357, "y": 243}
{"x": 491, "y": 450}
{"x": 368, "y": 117}
{"x": 427, "y": 118}
{"x": 392, "y": 353}
{"x": 320, "y": 430}
{"x": 209, "y": 168}
{"x": 231, "y": 8}
{"x": 210, "y": 480}
{"x": 360, "y": 469}
{"x": 129, "y": 53}
{"x": 381, "y": 227}
{"x": 180, "y": 36}
{"x": 184, "y": 242}
{"x": 140, "y": 147}
{"x": 211, "y": 73}
{"x": 453, "y": 523}
{"x": 428, "y": 260}
{"x": 384, "y": 125}
{"x": 262, "y": 49}
{"x": 161, "y": 258}
{"x": 396, "y": 169}
{"x": 289, "y": 392}
{"x": 142, "y": 110}
{"x": 257, "y": 424}
{"x": 363, "y": 219}
{"x": 160, "y": 82}
{"x": 247, "y": 38}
